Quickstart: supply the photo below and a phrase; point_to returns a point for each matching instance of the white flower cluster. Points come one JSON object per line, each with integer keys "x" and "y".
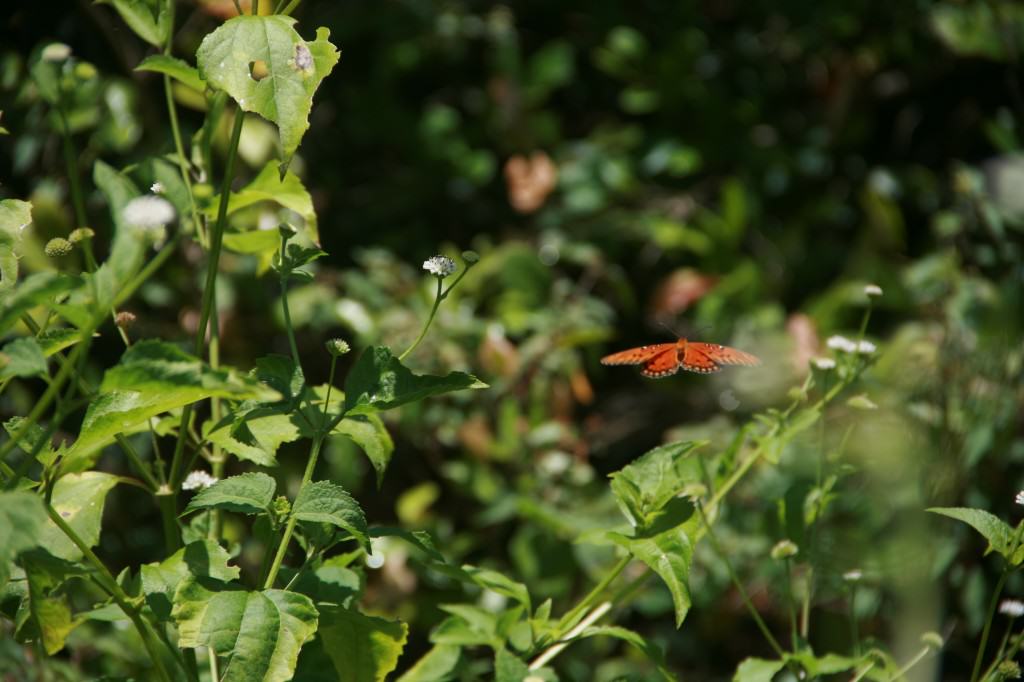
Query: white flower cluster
{"x": 872, "y": 290}
{"x": 824, "y": 364}
{"x": 841, "y": 343}
{"x": 198, "y": 480}
{"x": 148, "y": 212}
{"x": 441, "y": 266}
{"x": 1012, "y": 608}
{"x": 1020, "y": 497}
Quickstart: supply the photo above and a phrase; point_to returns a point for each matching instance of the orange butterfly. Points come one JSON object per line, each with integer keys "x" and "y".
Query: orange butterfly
{"x": 665, "y": 359}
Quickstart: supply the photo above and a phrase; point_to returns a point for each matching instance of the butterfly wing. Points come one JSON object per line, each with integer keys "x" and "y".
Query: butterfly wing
{"x": 637, "y": 356}
{"x": 709, "y": 357}
{"x": 663, "y": 365}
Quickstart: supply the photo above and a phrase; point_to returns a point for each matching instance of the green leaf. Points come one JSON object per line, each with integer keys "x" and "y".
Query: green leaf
{"x": 378, "y": 381}
{"x": 508, "y": 668}
{"x": 15, "y": 216}
{"x": 79, "y": 499}
{"x": 24, "y": 359}
{"x": 256, "y": 436}
{"x": 22, "y": 518}
{"x": 260, "y": 633}
{"x": 325, "y": 502}
{"x": 999, "y": 534}
{"x": 199, "y": 559}
{"x": 829, "y": 664}
{"x": 253, "y": 242}
{"x": 644, "y": 487}
{"x": 41, "y": 288}
{"x": 369, "y": 433}
{"x": 757, "y": 670}
{"x": 30, "y": 442}
{"x": 287, "y": 191}
{"x": 55, "y": 340}
{"x": 249, "y": 493}
{"x": 438, "y": 664}
{"x": 175, "y": 68}
{"x": 669, "y": 554}
{"x": 362, "y": 648}
{"x": 331, "y": 583}
{"x": 649, "y": 649}
{"x": 418, "y": 538}
{"x": 155, "y": 377}
{"x": 149, "y": 19}
{"x": 294, "y": 70}
{"x": 48, "y": 605}
{"x": 980, "y": 29}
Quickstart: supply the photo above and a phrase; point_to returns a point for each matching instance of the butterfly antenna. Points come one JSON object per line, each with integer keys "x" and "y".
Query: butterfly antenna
{"x": 670, "y": 329}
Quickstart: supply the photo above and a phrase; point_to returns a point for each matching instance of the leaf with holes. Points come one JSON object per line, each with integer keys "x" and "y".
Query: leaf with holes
{"x": 268, "y": 69}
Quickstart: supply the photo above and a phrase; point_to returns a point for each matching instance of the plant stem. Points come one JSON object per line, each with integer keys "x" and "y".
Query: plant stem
{"x": 216, "y": 241}
{"x": 107, "y": 581}
{"x": 988, "y": 623}
{"x": 438, "y": 297}
{"x": 854, "y": 634}
{"x": 570, "y": 618}
{"x": 911, "y": 663}
{"x": 791, "y": 603}
{"x": 289, "y": 528}
{"x": 290, "y": 7}
{"x": 70, "y": 158}
{"x": 557, "y": 648}
{"x": 739, "y": 585}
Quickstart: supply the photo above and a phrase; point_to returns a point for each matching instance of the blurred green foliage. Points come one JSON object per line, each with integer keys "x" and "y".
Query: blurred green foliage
{"x": 738, "y": 171}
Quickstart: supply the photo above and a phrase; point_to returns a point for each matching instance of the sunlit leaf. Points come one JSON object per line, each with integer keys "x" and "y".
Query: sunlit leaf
{"x": 249, "y": 493}
{"x": 326, "y": 502}
{"x": 149, "y": 19}
{"x": 15, "y": 216}
{"x": 509, "y": 668}
{"x": 22, "y": 517}
{"x": 48, "y": 604}
{"x": 229, "y": 57}
{"x": 669, "y": 554}
{"x": 757, "y": 670}
{"x": 999, "y": 534}
{"x": 378, "y": 381}
{"x": 439, "y": 663}
{"x": 645, "y": 486}
{"x": 79, "y": 499}
{"x": 200, "y": 559}
{"x": 362, "y": 648}
{"x": 369, "y": 433}
{"x": 41, "y": 288}
{"x": 259, "y": 633}
{"x": 287, "y": 191}
{"x": 24, "y": 358}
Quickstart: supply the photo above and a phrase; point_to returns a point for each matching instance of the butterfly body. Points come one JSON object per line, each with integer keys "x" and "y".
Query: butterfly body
{"x": 665, "y": 359}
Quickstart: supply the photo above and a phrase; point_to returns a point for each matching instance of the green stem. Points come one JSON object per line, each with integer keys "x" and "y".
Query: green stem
{"x": 854, "y": 633}
{"x": 569, "y": 619}
{"x": 216, "y": 242}
{"x": 433, "y": 311}
{"x": 290, "y": 7}
{"x": 107, "y": 581}
{"x": 911, "y": 663}
{"x": 71, "y": 158}
{"x": 289, "y": 528}
{"x": 791, "y": 603}
{"x": 739, "y": 585}
{"x": 179, "y": 147}
{"x": 988, "y": 623}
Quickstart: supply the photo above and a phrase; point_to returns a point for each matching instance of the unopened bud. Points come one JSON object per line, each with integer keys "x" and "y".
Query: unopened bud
{"x": 81, "y": 234}
{"x": 470, "y": 257}
{"x": 784, "y": 549}
{"x": 124, "y": 319}
{"x": 58, "y": 246}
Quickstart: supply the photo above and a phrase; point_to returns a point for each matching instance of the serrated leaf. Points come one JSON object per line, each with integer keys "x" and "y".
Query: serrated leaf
{"x": 199, "y": 559}
{"x": 294, "y": 70}
{"x": 249, "y": 493}
{"x": 999, "y": 534}
{"x": 155, "y": 377}
{"x": 149, "y": 19}
{"x": 326, "y": 502}
{"x": 287, "y": 191}
{"x": 176, "y": 68}
{"x": 15, "y": 216}
{"x": 362, "y": 648}
{"x": 669, "y": 554}
{"x": 260, "y": 633}
{"x": 24, "y": 358}
{"x": 79, "y": 499}
{"x": 48, "y": 605}
{"x": 644, "y": 487}
{"x": 437, "y": 665}
{"x": 378, "y": 381}
{"x": 22, "y": 518}
{"x": 369, "y": 433}
{"x": 757, "y": 670}
{"x": 257, "y": 436}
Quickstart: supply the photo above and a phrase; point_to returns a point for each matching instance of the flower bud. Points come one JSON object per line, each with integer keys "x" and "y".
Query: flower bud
{"x": 470, "y": 257}
{"x": 124, "y": 319}
{"x": 337, "y": 347}
{"x": 784, "y": 549}
{"x": 81, "y": 234}
{"x": 58, "y": 246}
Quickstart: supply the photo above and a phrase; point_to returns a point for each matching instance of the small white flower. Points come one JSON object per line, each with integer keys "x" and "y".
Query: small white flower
{"x": 148, "y": 211}
{"x": 1011, "y": 608}
{"x": 492, "y": 601}
{"x": 197, "y": 480}
{"x": 1020, "y": 497}
{"x": 866, "y": 347}
{"x": 56, "y": 52}
{"x": 853, "y": 576}
{"x": 157, "y": 188}
{"x": 376, "y": 558}
{"x": 442, "y": 266}
{"x": 873, "y": 290}
{"x": 841, "y": 343}
{"x": 824, "y": 363}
